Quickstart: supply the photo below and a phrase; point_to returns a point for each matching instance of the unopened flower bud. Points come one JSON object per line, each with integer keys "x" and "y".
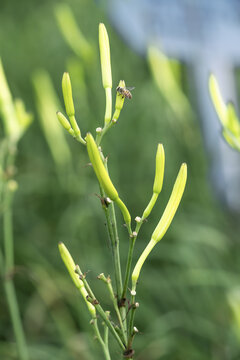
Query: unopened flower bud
{"x": 99, "y": 168}
{"x": 158, "y": 180}
{"x": 119, "y": 102}
{"x": 164, "y": 222}
{"x": 105, "y": 57}
{"x": 64, "y": 122}
{"x": 172, "y": 204}
{"x": 71, "y": 267}
{"x": 159, "y": 171}
{"x": 67, "y": 94}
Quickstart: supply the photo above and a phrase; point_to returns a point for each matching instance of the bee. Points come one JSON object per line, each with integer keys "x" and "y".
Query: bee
{"x": 125, "y": 91}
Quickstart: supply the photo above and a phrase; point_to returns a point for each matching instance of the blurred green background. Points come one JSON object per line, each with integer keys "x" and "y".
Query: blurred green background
{"x": 189, "y": 289}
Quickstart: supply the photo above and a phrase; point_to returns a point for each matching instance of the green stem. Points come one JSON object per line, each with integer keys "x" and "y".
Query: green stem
{"x": 16, "y": 319}
{"x": 99, "y": 309}
{"x": 101, "y": 134}
{"x": 116, "y": 251}
{"x": 110, "y": 326}
{"x": 8, "y": 284}
{"x": 105, "y": 337}
{"x": 131, "y": 321}
{"x": 103, "y": 344}
{"x": 7, "y": 229}
{"x": 128, "y": 267}
{"x": 108, "y": 111}
{"x": 107, "y": 281}
{"x": 112, "y": 231}
{"x": 113, "y": 234}
{"x": 150, "y": 206}
{"x": 133, "y": 238}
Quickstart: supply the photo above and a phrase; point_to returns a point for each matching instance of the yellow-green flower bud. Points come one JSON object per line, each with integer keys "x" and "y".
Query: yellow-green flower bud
{"x": 68, "y": 101}
{"x": 119, "y": 102}
{"x": 65, "y": 123}
{"x": 70, "y": 265}
{"x": 105, "y": 56}
{"x": 67, "y": 94}
{"x": 217, "y": 100}
{"x": 158, "y": 180}
{"x": 226, "y": 114}
{"x": 159, "y": 171}
{"x": 172, "y": 205}
{"x": 125, "y": 212}
{"x": 104, "y": 178}
{"x": 24, "y": 118}
{"x": 164, "y": 222}
{"x": 233, "y": 124}
{"x": 99, "y": 168}
{"x": 139, "y": 264}
{"x": 7, "y": 110}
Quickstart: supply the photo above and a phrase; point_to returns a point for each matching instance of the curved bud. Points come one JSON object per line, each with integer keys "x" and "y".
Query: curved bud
{"x": 24, "y": 118}
{"x": 159, "y": 171}
{"x": 104, "y": 178}
{"x": 125, "y": 213}
{"x": 7, "y": 110}
{"x": 105, "y": 56}
{"x": 99, "y": 168}
{"x": 67, "y": 94}
{"x": 233, "y": 124}
{"x": 164, "y": 222}
{"x": 64, "y": 122}
{"x": 217, "y": 100}
{"x": 119, "y": 102}
{"x": 70, "y": 265}
{"x": 172, "y": 204}
{"x": 69, "y": 106}
{"x": 139, "y": 264}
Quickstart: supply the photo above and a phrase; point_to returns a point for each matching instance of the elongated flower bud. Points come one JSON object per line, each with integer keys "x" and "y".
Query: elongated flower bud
{"x": 68, "y": 101}
{"x": 24, "y": 118}
{"x": 164, "y": 222}
{"x": 226, "y": 114}
{"x": 105, "y": 57}
{"x": 64, "y": 122}
{"x": 70, "y": 265}
{"x": 67, "y": 94}
{"x": 125, "y": 213}
{"x": 99, "y": 168}
{"x": 119, "y": 102}
{"x": 172, "y": 204}
{"x": 104, "y": 178}
{"x": 7, "y": 110}
{"x": 158, "y": 180}
{"x": 159, "y": 172}
{"x": 217, "y": 100}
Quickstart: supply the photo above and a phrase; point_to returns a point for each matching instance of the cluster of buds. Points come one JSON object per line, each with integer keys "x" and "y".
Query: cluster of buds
{"x": 164, "y": 222}
{"x": 16, "y": 119}
{"x": 123, "y": 335}
{"x": 227, "y": 115}
{"x": 72, "y": 126}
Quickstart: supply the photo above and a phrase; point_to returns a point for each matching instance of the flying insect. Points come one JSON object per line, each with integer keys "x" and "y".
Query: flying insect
{"x": 125, "y": 91}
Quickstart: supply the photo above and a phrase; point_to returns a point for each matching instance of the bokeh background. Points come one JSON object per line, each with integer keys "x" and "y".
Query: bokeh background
{"x": 189, "y": 290}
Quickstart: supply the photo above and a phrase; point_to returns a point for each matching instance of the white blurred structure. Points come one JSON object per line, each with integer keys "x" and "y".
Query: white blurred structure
{"x": 204, "y": 34}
